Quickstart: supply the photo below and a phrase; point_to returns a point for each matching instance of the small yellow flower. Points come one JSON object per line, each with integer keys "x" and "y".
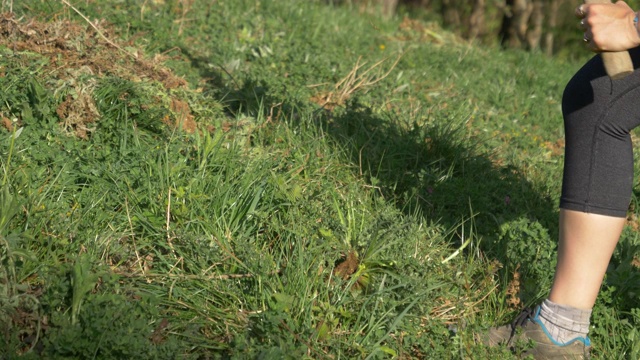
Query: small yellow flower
{"x": 382, "y": 46}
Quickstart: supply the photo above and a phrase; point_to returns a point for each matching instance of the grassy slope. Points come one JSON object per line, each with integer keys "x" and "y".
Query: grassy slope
{"x": 458, "y": 145}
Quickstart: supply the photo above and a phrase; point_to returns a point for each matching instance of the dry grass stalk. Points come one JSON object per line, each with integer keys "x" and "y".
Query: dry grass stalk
{"x": 8, "y": 3}
{"x": 465, "y": 306}
{"x": 133, "y": 237}
{"x": 513, "y": 290}
{"x": 102, "y": 35}
{"x": 355, "y": 81}
{"x": 184, "y": 277}
{"x": 185, "y": 6}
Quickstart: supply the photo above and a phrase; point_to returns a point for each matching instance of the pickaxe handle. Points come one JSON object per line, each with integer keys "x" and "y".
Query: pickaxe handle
{"x": 617, "y": 64}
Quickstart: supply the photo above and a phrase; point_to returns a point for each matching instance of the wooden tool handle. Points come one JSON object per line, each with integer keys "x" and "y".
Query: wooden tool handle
{"x": 616, "y": 64}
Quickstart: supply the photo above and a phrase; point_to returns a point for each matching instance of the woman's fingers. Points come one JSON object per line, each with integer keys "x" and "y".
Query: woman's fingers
{"x": 608, "y": 27}
{"x": 580, "y": 11}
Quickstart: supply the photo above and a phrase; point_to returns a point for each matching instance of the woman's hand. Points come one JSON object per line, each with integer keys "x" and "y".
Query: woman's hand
{"x": 608, "y": 27}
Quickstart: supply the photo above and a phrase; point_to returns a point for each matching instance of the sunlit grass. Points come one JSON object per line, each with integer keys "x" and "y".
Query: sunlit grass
{"x": 307, "y": 217}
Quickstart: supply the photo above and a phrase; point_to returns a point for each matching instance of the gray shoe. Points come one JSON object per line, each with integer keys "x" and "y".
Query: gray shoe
{"x": 527, "y": 328}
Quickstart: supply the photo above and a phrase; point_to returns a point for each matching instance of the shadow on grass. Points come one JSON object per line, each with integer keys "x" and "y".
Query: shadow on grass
{"x": 430, "y": 166}
{"x": 433, "y": 168}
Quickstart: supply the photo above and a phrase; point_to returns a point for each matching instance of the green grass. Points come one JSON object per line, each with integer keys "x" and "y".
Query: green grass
{"x": 130, "y": 238}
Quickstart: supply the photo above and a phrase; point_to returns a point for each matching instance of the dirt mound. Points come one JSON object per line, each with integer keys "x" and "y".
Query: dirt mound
{"x": 76, "y": 50}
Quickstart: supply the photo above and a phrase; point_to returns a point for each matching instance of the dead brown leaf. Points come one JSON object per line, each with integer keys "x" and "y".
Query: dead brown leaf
{"x": 347, "y": 267}
{"x": 7, "y": 124}
{"x": 184, "y": 118}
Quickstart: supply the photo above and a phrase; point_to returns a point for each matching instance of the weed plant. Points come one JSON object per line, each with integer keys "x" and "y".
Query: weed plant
{"x": 354, "y": 188}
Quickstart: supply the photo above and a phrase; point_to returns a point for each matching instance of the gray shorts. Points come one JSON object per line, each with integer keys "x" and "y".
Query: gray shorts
{"x": 598, "y": 115}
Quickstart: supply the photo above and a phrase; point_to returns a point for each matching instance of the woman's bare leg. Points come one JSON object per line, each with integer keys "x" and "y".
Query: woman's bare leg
{"x": 586, "y": 244}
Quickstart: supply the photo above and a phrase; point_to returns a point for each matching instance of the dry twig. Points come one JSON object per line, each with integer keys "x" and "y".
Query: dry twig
{"x": 192, "y": 276}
